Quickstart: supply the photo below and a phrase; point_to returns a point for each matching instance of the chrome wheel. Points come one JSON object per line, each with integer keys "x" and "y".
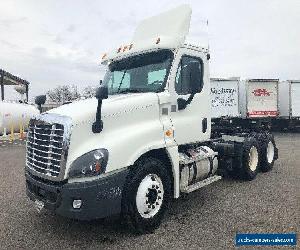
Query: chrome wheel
{"x": 253, "y": 158}
{"x": 270, "y": 152}
{"x": 149, "y": 196}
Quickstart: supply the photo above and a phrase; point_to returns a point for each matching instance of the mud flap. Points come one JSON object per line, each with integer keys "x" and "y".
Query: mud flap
{"x": 276, "y": 153}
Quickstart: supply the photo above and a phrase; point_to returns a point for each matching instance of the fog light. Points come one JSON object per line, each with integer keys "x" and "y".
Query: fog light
{"x": 77, "y": 204}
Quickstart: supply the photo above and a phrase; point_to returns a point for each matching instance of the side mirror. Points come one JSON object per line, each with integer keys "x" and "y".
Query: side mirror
{"x": 101, "y": 94}
{"x": 39, "y": 101}
{"x": 181, "y": 103}
{"x": 191, "y": 74}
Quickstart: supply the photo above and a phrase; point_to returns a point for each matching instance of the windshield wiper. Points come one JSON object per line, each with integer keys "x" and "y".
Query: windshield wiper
{"x": 121, "y": 81}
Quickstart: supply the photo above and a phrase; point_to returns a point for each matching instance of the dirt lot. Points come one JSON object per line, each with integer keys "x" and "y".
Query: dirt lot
{"x": 206, "y": 219}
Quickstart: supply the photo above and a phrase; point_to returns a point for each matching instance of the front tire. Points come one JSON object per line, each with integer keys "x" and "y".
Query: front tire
{"x": 146, "y": 196}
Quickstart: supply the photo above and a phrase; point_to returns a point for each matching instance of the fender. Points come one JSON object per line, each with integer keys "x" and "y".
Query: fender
{"x": 174, "y": 159}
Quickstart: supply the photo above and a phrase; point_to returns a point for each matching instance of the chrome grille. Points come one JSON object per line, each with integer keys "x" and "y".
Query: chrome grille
{"x": 45, "y": 147}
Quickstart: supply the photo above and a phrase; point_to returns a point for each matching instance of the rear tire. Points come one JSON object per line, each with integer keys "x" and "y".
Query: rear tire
{"x": 250, "y": 160}
{"x": 268, "y": 153}
{"x": 146, "y": 195}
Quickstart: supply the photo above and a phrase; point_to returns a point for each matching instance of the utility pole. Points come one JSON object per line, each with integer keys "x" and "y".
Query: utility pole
{"x": 27, "y": 92}
{"x": 2, "y": 84}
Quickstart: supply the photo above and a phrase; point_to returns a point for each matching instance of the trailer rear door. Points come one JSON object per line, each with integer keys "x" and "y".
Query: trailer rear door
{"x": 284, "y": 99}
{"x": 262, "y": 98}
{"x": 224, "y": 98}
{"x": 295, "y": 98}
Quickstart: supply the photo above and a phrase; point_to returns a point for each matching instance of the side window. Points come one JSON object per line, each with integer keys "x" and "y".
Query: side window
{"x": 183, "y": 87}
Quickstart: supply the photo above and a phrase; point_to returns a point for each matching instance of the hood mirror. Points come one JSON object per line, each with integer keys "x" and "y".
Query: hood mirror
{"x": 101, "y": 94}
{"x": 39, "y": 101}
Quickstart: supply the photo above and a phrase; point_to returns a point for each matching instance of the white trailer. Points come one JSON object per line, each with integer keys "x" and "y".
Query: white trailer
{"x": 225, "y": 97}
{"x": 259, "y": 98}
{"x": 295, "y": 99}
{"x": 289, "y": 105}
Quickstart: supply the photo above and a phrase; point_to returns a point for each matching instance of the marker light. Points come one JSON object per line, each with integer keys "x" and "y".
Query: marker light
{"x": 97, "y": 167}
{"x": 169, "y": 133}
{"x": 158, "y": 41}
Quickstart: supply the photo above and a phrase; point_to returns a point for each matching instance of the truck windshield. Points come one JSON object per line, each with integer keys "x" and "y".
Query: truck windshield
{"x": 141, "y": 73}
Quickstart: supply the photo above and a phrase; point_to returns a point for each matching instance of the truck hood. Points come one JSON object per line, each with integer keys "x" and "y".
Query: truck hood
{"x": 114, "y": 106}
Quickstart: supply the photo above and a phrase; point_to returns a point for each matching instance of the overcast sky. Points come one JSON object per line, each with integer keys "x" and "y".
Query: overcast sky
{"x": 58, "y": 42}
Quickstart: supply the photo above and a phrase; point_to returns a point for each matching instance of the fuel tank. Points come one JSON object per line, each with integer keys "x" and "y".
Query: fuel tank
{"x": 13, "y": 114}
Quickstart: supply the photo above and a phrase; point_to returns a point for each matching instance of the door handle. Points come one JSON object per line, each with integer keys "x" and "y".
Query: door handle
{"x": 204, "y": 125}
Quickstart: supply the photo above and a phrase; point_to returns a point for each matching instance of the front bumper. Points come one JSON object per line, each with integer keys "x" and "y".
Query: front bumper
{"x": 100, "y": 198}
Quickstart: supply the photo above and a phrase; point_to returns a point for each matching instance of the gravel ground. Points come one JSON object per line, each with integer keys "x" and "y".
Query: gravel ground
{"x": 206, "y": 219}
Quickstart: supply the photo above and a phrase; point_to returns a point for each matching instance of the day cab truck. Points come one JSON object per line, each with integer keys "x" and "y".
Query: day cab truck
{"x": 145, "y": 139}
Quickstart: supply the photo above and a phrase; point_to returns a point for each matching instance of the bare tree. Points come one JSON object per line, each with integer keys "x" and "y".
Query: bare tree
{"x": 63, "y": 93}
{"x": 89, "y": 92}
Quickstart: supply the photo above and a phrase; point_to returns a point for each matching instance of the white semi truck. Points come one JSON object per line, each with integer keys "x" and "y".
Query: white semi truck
{"x": 144, "y": 139}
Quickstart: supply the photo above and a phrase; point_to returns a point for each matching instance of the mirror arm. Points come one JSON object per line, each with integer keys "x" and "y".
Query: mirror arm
{"x": 182, "y": 103}
{"x": 98, "y": 124}
{"x": 39, "y": 107}
{"x": 190, "y": 99}
{"x": 101, "y": 94}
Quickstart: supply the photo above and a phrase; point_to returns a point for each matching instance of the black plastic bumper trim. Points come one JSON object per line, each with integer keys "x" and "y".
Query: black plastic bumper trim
{"x": 100, "y": 198}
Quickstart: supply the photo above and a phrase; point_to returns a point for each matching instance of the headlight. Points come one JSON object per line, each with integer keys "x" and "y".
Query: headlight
{"x": 90, "y": 164}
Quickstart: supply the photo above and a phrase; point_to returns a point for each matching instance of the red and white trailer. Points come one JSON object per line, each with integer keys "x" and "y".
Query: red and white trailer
{"x": 259, "y": 98}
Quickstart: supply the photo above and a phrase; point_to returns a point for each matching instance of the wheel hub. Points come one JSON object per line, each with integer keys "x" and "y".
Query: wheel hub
{"x": 152, "y": 196}
{"x": 253, "y": 158}
{"x": 149, "y": 196}
{"x": 270, "y": 152}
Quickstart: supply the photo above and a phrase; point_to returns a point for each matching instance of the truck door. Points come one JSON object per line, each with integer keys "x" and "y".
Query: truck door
{"x": 190, "y": 112}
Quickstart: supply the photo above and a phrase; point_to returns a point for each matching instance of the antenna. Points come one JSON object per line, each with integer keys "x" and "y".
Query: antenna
{"x": 207, "y": 34}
